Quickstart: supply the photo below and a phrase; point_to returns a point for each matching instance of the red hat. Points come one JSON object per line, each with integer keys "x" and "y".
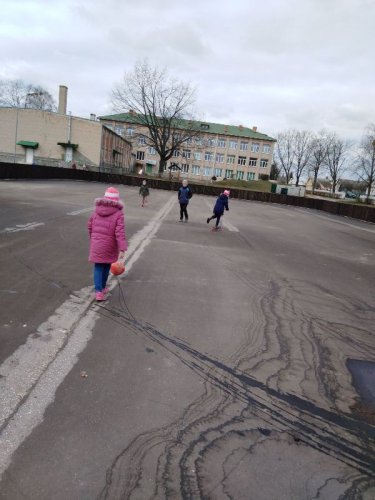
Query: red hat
{"x": 112, "y": 194}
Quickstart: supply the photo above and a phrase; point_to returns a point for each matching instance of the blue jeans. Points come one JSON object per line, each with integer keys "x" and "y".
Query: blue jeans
{"x": 101, "y": 272}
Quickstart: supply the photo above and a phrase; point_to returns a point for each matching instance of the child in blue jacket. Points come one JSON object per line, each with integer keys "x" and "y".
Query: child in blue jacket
{"x": 220, "y": 205}
{"x": 184, "y": 195}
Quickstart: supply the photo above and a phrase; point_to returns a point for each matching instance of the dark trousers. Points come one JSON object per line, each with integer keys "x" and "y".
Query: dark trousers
{"x": 217, "y": 217}
{"x": 101, "y": 272}
{"x": 183, "y": 211}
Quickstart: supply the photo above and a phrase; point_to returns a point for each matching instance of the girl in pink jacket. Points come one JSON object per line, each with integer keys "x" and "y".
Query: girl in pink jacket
{"x": 107, "y": 238}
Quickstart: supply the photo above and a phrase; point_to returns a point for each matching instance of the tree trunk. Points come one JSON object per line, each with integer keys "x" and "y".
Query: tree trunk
{"x": 162, "y": 164}
{"x": 314, "y": 181}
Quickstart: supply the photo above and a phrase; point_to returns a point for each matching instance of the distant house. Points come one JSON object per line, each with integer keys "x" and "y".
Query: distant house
{"x": 324, "y": 185}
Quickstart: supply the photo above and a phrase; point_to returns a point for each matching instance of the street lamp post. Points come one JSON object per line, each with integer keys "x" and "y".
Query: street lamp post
{"x": 29, "y": 94}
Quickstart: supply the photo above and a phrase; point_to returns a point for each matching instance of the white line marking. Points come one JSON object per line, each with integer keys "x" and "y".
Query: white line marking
{"x": 22, "y": 227}
{"x": 37, "y": 368}
{"x": 82, "y": 211}
{"x": 230, "y": 226}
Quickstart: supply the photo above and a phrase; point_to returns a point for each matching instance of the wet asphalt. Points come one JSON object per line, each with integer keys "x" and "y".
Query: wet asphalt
{"x": 232, "y": 364}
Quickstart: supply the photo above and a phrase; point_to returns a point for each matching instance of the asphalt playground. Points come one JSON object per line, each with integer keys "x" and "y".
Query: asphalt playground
{"x": 236, "y": 364}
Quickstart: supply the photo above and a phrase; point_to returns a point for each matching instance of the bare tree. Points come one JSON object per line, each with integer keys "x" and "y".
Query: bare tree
{"x": 285, "y": 153}
{"x": 302, "y": 152}
{"x": 163, "y": 106}
{"x": 319, "y": 149}
{"x": 18, "y": 94}
{"x": 335, "y": 160}
{"x": 365, "y": 168}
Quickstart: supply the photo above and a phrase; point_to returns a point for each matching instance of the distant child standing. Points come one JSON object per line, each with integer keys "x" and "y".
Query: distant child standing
{"x": 220, "y": 205}
{"x": 184, "y": 195}
{"x": 107, "y": 238}
{"x": 144, "y": 192}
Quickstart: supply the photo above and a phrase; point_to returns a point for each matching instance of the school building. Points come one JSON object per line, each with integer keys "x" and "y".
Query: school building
{"x": 223, "y": 151}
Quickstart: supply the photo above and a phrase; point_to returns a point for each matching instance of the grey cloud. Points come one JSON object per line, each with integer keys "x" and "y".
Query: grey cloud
{"x": 273, "y": 64}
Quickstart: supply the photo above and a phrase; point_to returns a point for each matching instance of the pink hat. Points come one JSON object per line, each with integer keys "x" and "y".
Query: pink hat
{"x": 112, "y": 194}
{"x": 227, "y": 192}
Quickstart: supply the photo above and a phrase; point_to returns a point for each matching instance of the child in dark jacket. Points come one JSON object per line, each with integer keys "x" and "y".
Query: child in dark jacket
{"x": 220, "y": 205}
{"x": 144, "y": 192}
{"x": 107, "y": 238}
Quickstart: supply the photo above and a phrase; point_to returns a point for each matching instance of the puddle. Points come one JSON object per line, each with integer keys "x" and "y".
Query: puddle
{"x": 363, "y": 374}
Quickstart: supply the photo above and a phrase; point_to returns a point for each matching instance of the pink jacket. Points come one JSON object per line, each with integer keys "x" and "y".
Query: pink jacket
{"x": 107, "y": 231}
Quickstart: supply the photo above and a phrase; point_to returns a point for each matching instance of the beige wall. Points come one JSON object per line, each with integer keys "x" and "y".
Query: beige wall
{"x": 48, "y": 129}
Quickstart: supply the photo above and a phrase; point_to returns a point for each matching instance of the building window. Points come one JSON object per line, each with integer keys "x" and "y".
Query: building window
{"x": 130, "y": 131}
{"x": 198, "y": 141}
{"x": 241, "y": 160}
{"x": 119, "y": 130}
{"x": 263, "y": 163}
{"x": 266, "y": 148}
{"x": 252, "y": 162}
{"x": 151, "y": 150}
{"x": 239, "y": 175}
{"x": 221, "y": 143}
{"x": 218, "y": 172}
{"x": 197, "y": 156}
{"x": 186, "y": 153}
{"x": 250, "y": 176}
{"x": 208, "y": 156}
{"x": 232, "y": 144}
{"x": 211, "y": 142}
{"x": 141, "y": 140}
{"x": 230, "y": 159}
{"x": 140, "y": 155}
{"x": 196, "y": 170}
{"x": 205, "y": 126}
{"x": 207, "y": 171}
{"x": 244, "y": 146}
{"x": 185, "y": 168}
{"x": 189, "y": 140}
{"x": 176, "y": 137}
{"x": 176, "y": 153}
{"x": 219, "y": 157}
{"x": 255, "y": 147}
{"x": 229, "y": 174}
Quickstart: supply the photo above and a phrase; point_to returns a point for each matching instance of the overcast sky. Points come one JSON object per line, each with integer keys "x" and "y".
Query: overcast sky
{"x": 276, "y": 64}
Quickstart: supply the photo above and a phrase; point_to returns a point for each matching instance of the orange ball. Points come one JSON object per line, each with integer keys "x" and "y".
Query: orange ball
{"x": 117, "y": 268}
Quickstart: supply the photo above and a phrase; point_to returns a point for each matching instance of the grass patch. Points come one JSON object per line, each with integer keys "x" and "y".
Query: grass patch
{"x": 262, "y": 186}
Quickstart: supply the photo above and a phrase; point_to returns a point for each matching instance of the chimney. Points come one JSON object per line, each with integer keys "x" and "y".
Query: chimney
{"x": 92, "y": 117}
{"x": 240, "y": 127}
{"x": 255, "y": 129}
{"x": 63, "y": 97}
{"x": 132, "y": 112}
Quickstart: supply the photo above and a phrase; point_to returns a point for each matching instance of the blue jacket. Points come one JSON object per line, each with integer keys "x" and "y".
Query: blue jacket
{"x": 221, "y": 203}
{"x": 184, "y": 195}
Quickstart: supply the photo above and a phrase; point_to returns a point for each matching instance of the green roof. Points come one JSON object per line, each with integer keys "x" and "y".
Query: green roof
{"x": 207, "y": 127}
{"x": 28, "y": 144}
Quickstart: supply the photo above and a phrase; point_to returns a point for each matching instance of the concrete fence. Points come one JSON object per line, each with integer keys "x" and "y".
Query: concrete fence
{"x": 22, "y": 171}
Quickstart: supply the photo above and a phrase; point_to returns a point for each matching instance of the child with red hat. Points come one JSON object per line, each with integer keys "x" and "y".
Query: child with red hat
{"x": 107, "y": 238}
